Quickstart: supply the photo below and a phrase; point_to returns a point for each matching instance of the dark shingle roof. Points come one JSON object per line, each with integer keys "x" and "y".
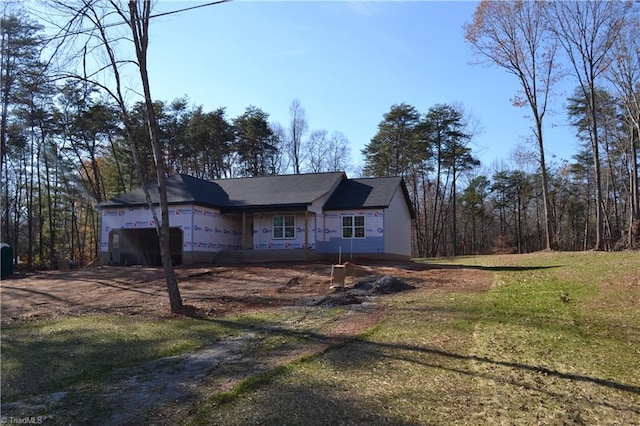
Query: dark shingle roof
{"x": 367, "y": 193}
{"x": 264, "y": 192}
{"x": 180, "y": 189}
{"x": 279, "y": 190}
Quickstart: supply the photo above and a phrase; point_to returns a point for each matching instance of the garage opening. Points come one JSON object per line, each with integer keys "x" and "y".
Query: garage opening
{"x": 142, "y": 247}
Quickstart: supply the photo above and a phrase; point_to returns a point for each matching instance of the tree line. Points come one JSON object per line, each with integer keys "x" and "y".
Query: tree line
{"x": 65, "y": 148}
{"x": 68, "y": 141}
{"x": 589, "y": 202}
{"x": 595, "y": 44}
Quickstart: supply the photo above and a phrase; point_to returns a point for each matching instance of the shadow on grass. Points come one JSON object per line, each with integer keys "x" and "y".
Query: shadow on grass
{"x": 83, "y": 366}
{"x": 525, "y": 367}
{"x": 490, "y": 268}
{"x": 365, "y": 352}
{"x": 47, "y": 365}
{"x": 312, "y": 404}
{"x": 360, "y": 353}
{"x": 86, "y": 367}
{"x": 322, "y": 338}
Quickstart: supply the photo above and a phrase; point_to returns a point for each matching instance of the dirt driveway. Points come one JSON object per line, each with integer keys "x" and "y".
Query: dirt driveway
{"x": 181, "y": 382}
{"x": 206, "y": 290}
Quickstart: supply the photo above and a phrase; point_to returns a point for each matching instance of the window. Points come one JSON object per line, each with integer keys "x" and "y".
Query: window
{"x": 352, "y": 226}
{"x": 284, "y": 227}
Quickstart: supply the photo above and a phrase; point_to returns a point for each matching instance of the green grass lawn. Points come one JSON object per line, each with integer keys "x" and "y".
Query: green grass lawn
{"x": 555, "y": 341}
{"x": 46, "y": 356}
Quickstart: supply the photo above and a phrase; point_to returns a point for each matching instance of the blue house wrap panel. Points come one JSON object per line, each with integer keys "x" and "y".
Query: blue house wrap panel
{"x": 330, "y": 238}
{"x": 352, "y": 245}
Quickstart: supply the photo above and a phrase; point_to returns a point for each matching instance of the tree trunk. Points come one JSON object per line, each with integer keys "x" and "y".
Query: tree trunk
{"x": 596, "y": 165}
{"x": 30, "y": 209}
{"x": 139, "y": 26}
{"x": 434, "y": 215}
{"x": 545, "y": 187}
{"x": 121, "y": 185}
{"x": 4, "y": 172}
{"x": 454, "y": 224}
{"x": 41, "y": 217}
{"x": 50, "y": 208}
{"x": 635, "y": 195}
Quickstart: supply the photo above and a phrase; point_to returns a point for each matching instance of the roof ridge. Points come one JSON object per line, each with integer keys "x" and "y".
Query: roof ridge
{"x": 379, "y": 177}
{"x": 280, "y": 176}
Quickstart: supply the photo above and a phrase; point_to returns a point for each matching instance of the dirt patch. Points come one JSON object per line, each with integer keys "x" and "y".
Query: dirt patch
{"x": 236, "y": 366}
{"x": 171, "y": 387}
{"x": 206, "y": 290}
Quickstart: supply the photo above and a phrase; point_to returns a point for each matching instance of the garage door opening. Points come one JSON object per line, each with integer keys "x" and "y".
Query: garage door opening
{"x": 142, "y": 247}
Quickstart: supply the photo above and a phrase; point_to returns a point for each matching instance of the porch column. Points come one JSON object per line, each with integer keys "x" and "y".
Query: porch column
{"x": 244, "y": 230}
{"x": 306, "y": 229}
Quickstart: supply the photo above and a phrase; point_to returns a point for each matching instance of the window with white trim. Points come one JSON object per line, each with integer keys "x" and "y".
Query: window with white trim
{"x": 284, "y": 227}
{"x": 353, "y": 226}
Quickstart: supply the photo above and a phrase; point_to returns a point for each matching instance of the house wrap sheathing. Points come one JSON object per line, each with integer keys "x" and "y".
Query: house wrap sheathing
{"x": 294, "y": 216}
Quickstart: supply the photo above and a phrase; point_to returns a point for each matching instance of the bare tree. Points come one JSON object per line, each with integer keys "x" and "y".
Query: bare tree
{"x": 317, "y": 151}
{"x": 280, "y": 159}
{"x": 339, "y": 154}
{"x": 327, "y": 153}
{"x": 297, "y": 128}
{"x": 514, "y": 35}
{"x": 20, "y": 68}
{"x": 624, "y": 75}
{"x": 138, "y": 21}
{"x": 588, "y": 31}
{"x": 98, "y": 15}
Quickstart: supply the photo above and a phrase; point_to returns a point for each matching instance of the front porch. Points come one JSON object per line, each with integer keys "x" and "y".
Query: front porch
{"x": 278, "y": 230}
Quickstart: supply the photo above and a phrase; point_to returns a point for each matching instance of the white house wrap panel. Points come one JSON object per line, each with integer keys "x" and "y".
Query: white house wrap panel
{"x": 204, "y": 229}
{"x": 264, "y": 238}
{"x": 214, "y": 231}
{"x": 321, "y": 212}
{"x": 398, "y": 217}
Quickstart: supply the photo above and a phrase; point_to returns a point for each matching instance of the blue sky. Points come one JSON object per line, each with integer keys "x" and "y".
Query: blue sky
{"x": 348, "y": 63}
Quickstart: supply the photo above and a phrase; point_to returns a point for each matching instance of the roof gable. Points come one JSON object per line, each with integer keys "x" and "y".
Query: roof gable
{"x": 278, "y": 190}
{"x": 368, "y": 193}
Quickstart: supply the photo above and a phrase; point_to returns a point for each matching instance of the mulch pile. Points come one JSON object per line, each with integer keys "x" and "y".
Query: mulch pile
{"x": 362, "y": 291}
{"x": 385, "y": 285}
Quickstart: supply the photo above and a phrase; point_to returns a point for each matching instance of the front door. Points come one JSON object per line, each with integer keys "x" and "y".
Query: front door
{"x": 115, "y": 248}
{"x": 247, "y": 231}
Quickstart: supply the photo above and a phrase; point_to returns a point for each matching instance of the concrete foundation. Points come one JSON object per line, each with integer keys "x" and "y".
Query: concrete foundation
{"x": 229, "y": 257}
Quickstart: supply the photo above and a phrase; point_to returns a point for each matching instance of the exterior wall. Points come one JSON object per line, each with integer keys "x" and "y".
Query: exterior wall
{"x": 204, "y": 230}
{"x": 125, "y": 218}
{"x": 263, "y": 232}
{"x": 398, "y": 218}
{"x": 214, "y": 231}
{"x": 207, "y": 231}
{"x": 263, "y": 227}
{"x": 329, "y": 233}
